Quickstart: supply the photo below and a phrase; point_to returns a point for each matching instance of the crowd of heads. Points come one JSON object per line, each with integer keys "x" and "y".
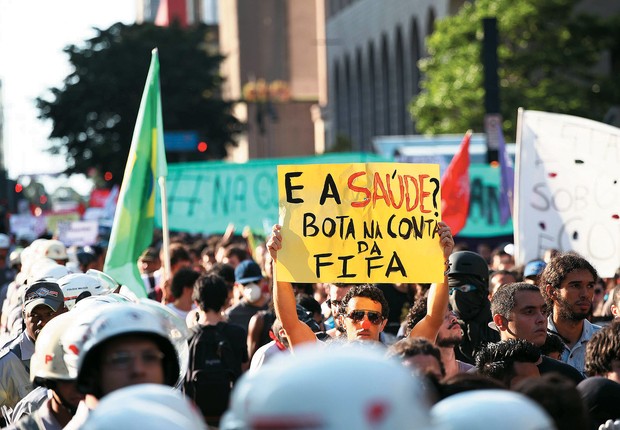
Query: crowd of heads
{"x": 97, "y": 344}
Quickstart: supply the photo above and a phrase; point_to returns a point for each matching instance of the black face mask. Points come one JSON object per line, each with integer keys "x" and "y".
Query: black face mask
{"x": 467, "y": 305}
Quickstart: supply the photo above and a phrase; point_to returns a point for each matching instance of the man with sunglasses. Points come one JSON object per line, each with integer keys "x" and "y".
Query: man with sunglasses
{"x": 364, "y": 309}
{"x": 364, "y": 313}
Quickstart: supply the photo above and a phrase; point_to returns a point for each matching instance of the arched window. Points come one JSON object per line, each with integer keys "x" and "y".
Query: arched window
{"x": 401, "y": 96}
{"x": 373, "y": 106}
{"x": 385, "y": 85}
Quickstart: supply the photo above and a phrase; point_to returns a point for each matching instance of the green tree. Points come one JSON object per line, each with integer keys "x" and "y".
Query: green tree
{"x": 94, "y": 114}
{"x": 549, "y": 59}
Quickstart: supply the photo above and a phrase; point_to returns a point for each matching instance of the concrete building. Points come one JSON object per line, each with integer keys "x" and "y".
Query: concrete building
{"x": 372, "y": 53}
{"x": 272, "y": 68}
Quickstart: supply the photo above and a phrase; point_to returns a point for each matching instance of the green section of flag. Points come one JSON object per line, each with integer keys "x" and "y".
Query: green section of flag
{"x": 132, "y": 230}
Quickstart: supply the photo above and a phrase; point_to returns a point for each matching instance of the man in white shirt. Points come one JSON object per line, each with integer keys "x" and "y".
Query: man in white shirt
{"x": 567, "y": 284}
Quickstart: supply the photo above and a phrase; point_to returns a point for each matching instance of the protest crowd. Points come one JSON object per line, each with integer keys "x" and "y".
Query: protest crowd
{"x": 220, "y": 342}
{"x": 225, "y": 331}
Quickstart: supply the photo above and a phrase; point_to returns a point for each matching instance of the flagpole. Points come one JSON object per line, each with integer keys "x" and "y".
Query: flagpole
{"x": 515, "y": 214}
{"x": 164, "y": 225}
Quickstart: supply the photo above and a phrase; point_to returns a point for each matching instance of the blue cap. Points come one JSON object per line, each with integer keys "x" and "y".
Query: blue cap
{"x": 534, "y": 268}
{"x": 248, "y": 271}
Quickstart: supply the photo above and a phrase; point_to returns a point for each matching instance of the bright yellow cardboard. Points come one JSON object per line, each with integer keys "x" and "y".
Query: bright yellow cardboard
{"x": 358, "y": 223}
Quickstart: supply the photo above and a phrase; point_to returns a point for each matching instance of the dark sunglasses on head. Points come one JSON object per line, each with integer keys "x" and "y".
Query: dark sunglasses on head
{"x": 373, "y": 316}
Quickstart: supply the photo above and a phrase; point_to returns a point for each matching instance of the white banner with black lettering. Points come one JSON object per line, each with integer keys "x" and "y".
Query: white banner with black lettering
{"x": 568, "y": 189}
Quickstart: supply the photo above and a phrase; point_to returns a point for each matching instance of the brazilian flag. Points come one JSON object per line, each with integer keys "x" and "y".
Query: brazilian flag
{"x": 132, "y": 230}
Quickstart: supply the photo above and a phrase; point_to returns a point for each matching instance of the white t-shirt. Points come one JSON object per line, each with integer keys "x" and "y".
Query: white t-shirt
{"x": 181, "y": 313}
{"x": 264, "y": 354}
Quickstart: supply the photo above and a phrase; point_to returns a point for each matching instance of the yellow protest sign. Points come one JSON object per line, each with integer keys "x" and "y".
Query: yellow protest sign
{"x": 358, "y": 223}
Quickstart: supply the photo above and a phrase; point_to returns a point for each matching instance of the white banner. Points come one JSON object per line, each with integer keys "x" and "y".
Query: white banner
{"x": 79, "y": 233}
{"x": 26, "y": 226}
{"x": 568, "y": 189}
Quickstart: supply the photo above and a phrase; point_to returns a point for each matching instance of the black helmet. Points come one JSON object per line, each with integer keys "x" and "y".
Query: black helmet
{"x": 469, "y": 263}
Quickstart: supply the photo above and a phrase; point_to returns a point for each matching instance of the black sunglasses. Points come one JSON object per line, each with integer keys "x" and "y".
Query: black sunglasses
{"x": 373, "y": 316}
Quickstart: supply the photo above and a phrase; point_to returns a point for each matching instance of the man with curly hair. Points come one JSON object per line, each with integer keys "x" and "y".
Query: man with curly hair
{"x": 603, "y": 353}
{"x": 448, "y": 338}
{"x": 567, "y": 285}
{"x": 508, "y": 361}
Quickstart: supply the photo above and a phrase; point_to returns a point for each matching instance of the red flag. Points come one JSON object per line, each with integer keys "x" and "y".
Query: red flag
{"x": 455, "y": 188}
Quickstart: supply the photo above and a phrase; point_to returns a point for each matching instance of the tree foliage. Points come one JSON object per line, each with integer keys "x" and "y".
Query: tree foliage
{"x": 94, "y": 114}
{"x": 551, "y": 58}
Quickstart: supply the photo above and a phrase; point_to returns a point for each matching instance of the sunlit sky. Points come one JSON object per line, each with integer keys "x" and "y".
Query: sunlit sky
{"x": 33, "y": 34}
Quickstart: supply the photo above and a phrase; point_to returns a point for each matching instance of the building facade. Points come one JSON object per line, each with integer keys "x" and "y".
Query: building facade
{"x": 271, "y": 72}
{"x": 372, "y": 53}
{"x": 164, "y": 12}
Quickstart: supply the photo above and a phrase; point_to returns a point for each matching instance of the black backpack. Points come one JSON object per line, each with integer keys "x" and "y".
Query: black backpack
{"x": 211, "y": 373}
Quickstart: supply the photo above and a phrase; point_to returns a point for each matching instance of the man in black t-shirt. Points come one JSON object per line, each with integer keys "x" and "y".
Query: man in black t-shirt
{"x": 249, "y": 277}
{"x": 218, "y": 350}
{"x": 210, "y": 294}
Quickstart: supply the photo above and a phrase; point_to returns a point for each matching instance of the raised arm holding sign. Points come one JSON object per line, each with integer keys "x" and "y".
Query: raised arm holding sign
{"x": 360, "y": 223}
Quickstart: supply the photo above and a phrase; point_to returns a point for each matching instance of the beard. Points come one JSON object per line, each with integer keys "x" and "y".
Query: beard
{"x": 449, "y": 342}
{"x": 566, "y": 311}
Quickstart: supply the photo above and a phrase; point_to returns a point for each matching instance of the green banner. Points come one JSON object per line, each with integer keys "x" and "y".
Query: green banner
{"x": 483, "y": 219}
{"x": 205, "y": 197}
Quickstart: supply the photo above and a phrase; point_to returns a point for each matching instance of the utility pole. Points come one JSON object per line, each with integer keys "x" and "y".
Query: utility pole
{"x": 492, "y": 117}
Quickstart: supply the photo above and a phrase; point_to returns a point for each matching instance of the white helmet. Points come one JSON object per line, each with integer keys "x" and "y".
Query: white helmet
{"x": 486, "y": 409}
{"x": 95, "y": 301}
{"x": 109, "y": 321}
{"x": 145, "y": 406}
{"x": 37, "y": 246}
{"x": 44, "y": 268}
{"x": 77, "y": 286}
{"x": 104, "y": 278}
{"x": 178, "y": 334}
{"x": 15, "y": 257}
{"x": 54, "y": 249}
{"x": 367, "y": 391}
{"x": 236, "y": 418}
{"x": 47, "y": 362}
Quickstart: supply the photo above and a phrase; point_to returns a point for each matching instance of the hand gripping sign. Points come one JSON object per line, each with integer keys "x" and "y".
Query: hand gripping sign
{"x": 357, "y": 223}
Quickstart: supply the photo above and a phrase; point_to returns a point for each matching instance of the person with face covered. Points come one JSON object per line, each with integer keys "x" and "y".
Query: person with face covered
{"x": 249, "y": 277}
{"x": 468, "y": 280}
